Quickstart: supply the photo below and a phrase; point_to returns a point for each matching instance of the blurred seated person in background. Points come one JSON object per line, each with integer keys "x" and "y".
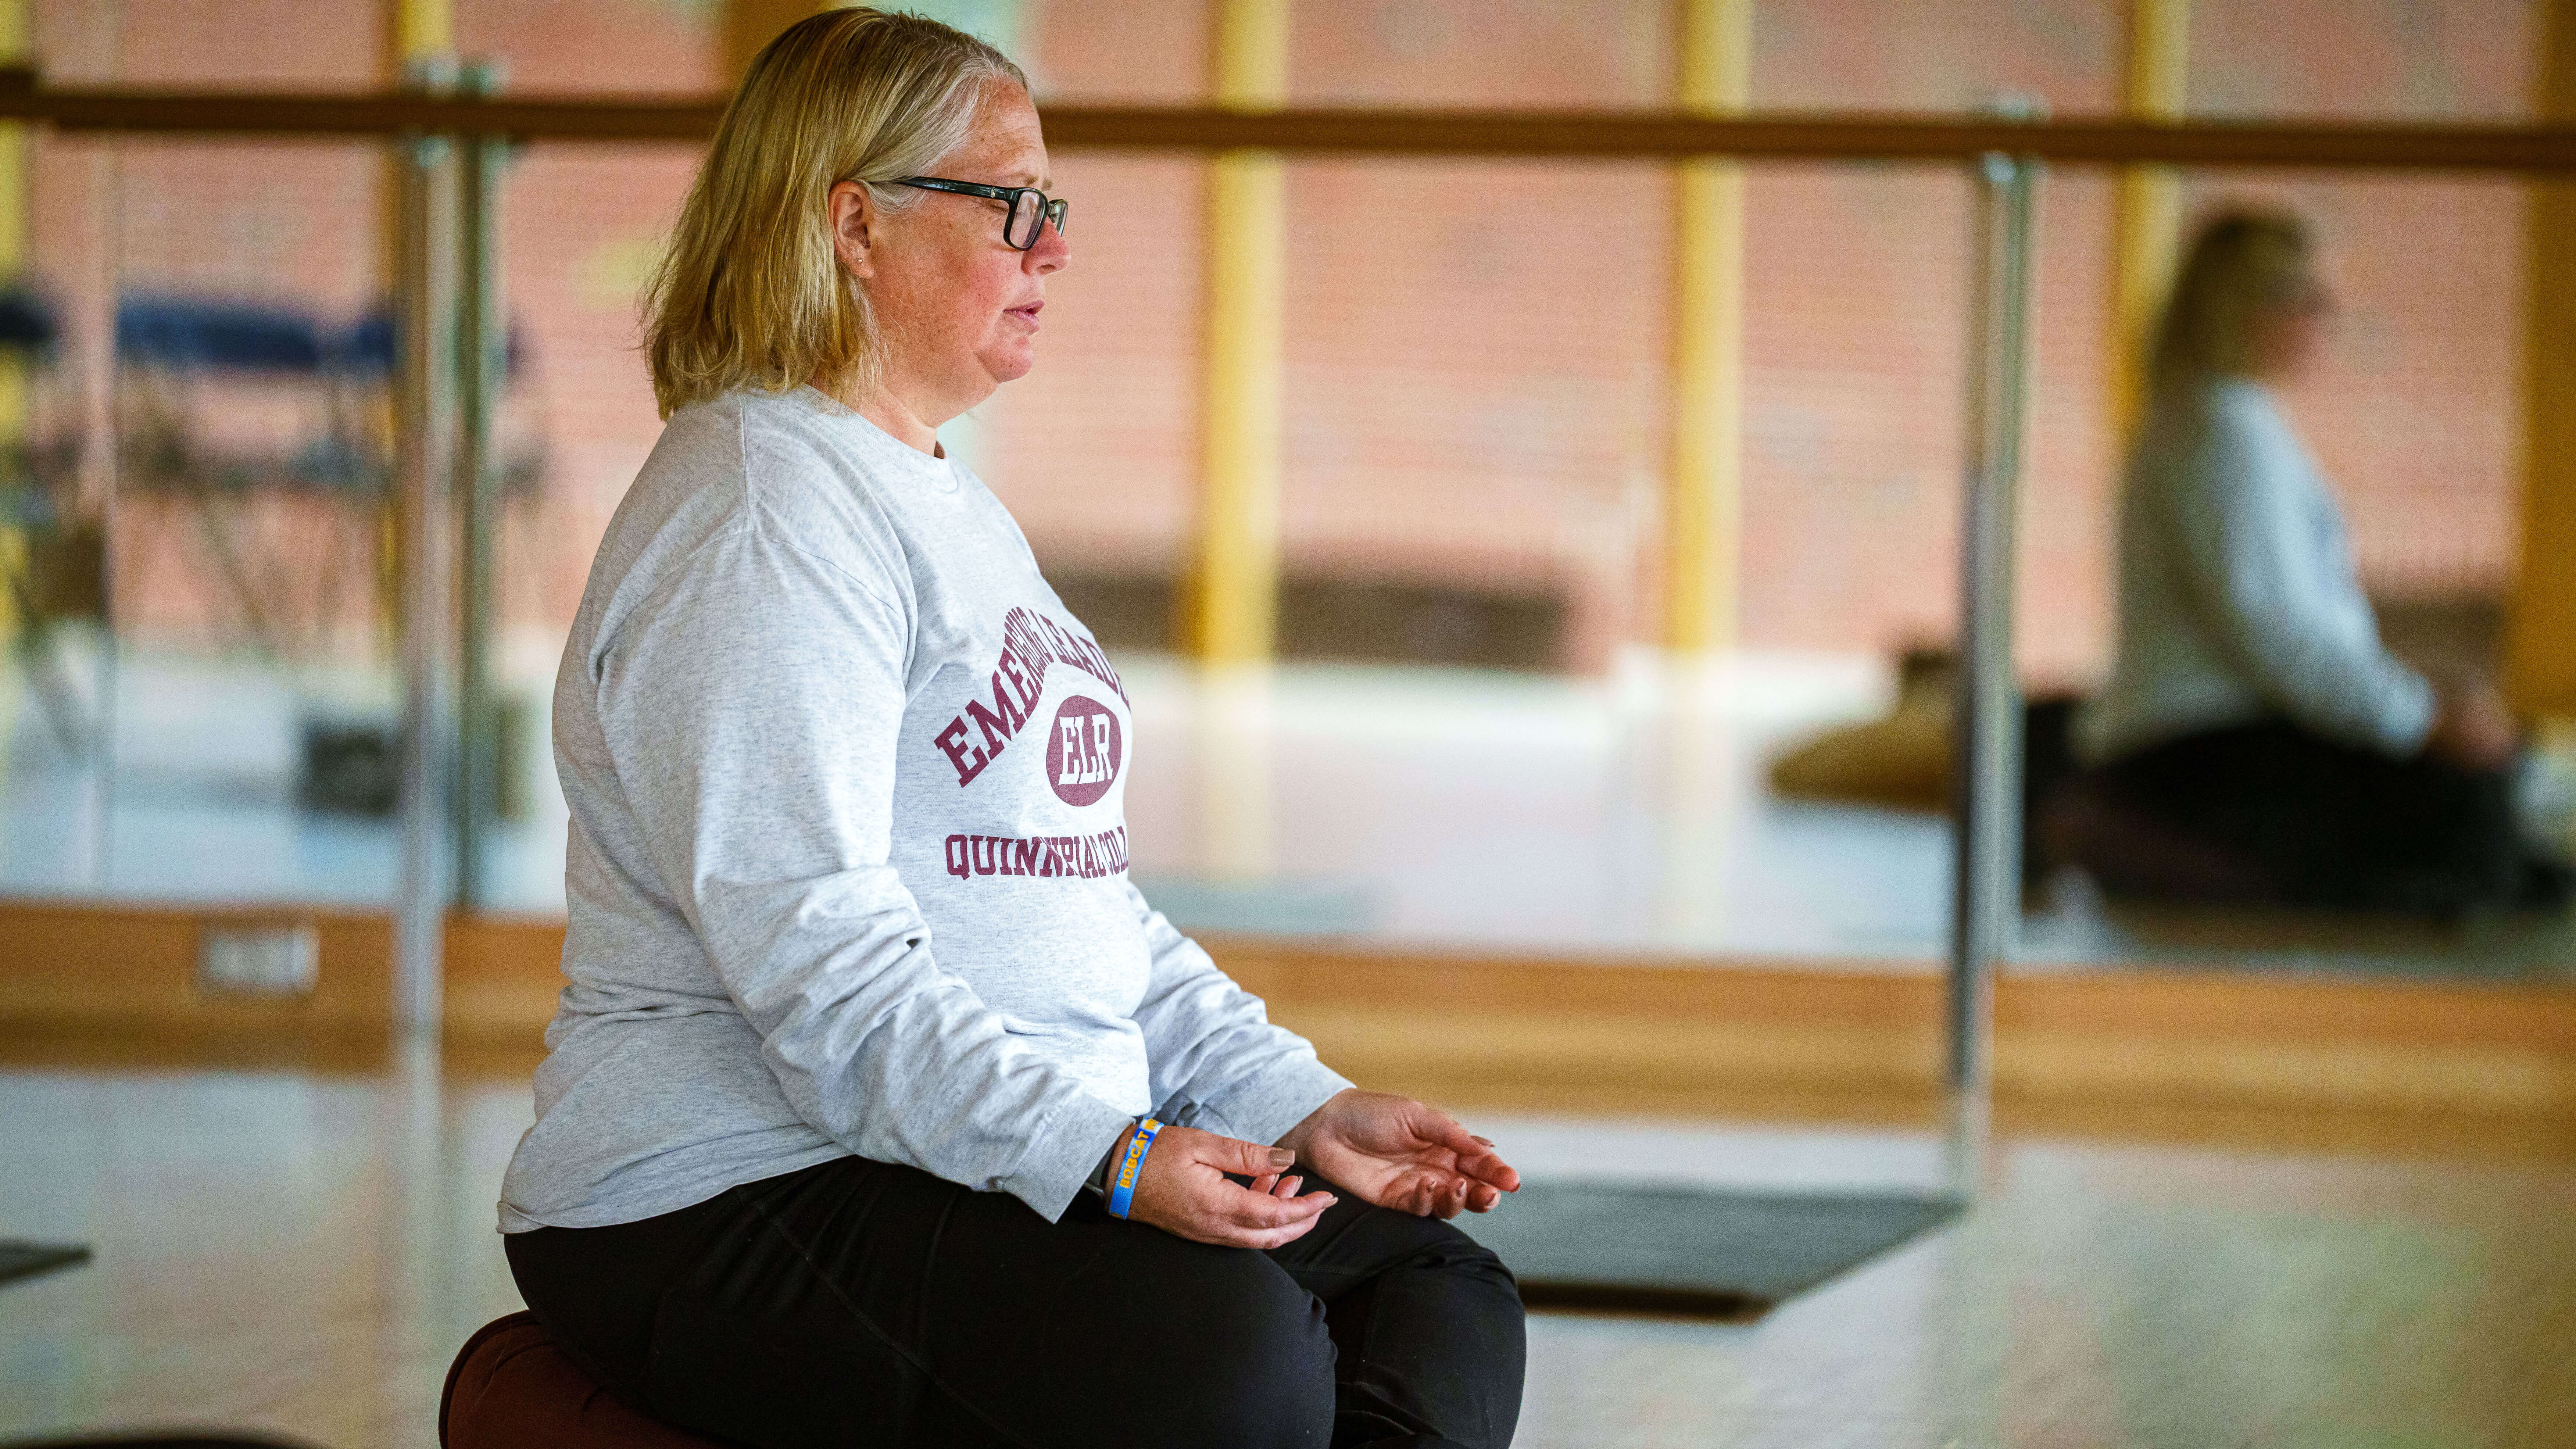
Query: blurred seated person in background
{"x": 2254, "y": 723}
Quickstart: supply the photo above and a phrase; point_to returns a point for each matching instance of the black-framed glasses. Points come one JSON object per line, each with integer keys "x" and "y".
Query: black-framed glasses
{"x": 1030, "y": 207}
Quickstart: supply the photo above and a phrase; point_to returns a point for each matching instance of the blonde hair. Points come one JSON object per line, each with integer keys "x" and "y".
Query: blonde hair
{"x": 750, "y": 292}
{"x": 2243, "y": 262}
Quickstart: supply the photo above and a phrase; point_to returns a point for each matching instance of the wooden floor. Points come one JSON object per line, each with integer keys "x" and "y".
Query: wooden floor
{"x": 295, "y": 1243}
{"x": 2224, "y": 1208}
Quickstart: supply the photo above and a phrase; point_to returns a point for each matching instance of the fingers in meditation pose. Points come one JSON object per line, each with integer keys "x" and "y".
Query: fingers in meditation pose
{"x": 1387, "y": 1151}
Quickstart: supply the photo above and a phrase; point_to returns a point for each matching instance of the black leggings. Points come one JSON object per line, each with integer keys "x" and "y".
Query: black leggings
{"x": 2322, "y": 823}
{"x": 860, "y": 1303}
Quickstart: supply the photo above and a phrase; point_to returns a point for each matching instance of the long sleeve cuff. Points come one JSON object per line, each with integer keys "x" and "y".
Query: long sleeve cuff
{"x": 1067, "y": 1152}
{"x": 1262, "y": 1107}
{"x": 2407, "y": 718}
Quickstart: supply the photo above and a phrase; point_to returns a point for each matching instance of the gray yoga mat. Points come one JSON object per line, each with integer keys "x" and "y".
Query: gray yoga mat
{"x": 27, "y": 1260}
{"x": 1691, "y": 1252}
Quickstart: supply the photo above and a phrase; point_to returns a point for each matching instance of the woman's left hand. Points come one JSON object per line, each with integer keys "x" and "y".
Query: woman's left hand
{"x": 1396, "y": 1153}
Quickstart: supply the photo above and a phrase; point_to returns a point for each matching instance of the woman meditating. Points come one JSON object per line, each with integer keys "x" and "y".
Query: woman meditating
{"x": 2253, "y": 710}
{"x": 881, "y": 1108}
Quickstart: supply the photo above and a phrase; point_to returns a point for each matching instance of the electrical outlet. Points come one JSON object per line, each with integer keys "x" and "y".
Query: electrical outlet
{"x": 258, "y": 960}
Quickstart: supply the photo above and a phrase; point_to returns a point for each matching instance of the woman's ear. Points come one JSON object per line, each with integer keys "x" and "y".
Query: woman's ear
{"x": 854, "y": 227}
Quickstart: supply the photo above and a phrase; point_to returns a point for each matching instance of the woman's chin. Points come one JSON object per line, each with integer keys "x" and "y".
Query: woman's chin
{"x": 1010, "y": 364}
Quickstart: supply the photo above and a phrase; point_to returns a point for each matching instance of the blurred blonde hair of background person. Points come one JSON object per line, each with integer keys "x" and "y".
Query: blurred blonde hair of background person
{"x": 2244, "y": 263}
{"x": 749, "y": 293}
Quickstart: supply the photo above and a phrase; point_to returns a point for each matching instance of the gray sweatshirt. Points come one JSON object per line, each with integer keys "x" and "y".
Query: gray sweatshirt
{"x": 847, "y": 870}
{"x": 2238, "y": 599}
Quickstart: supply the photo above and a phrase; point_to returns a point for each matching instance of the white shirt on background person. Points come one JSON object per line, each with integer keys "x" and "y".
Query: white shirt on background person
{"x": 2238, "y": 597}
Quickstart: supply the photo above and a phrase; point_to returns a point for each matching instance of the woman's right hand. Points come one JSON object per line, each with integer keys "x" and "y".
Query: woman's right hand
{"x": 1183, "y": 1191}
{"x": 2472, "y": 729}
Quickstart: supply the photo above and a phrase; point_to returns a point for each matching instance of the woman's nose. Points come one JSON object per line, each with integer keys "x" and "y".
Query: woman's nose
{"x": 1051, "y": 252}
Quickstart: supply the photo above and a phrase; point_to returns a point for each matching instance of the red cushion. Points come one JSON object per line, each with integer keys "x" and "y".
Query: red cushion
{"x": 511, "y": 1387}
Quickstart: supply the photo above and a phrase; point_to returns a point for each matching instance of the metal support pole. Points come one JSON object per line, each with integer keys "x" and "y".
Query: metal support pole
{"x": 482, "y": 345}
{"x": 425, "y": 429}
{"x": 1986, "y": 788}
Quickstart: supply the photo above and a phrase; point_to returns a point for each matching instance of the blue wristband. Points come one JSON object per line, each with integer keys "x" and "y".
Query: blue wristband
{"x": 1123, "y": 1190}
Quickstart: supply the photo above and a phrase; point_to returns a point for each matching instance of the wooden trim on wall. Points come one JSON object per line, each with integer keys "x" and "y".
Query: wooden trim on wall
{"x": 502, "y": 976}
{"x": 135, "y": 968}
{"x": 1347, "y": 130}
{"x": 1500, "y": 1025}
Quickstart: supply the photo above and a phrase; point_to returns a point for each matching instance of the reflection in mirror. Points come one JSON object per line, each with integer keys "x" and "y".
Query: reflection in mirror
{"x": 202, "y": 703}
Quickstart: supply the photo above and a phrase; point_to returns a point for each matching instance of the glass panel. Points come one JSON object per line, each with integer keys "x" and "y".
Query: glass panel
{"x": 605, "y": 47}
{"x": 1477, "y": 438}
{"x": 1095, "y": 451}
{"x": 1477, "y": 394}
{"x": 2413, "y": 416}
{"x": 55, "y": 507}
{"x": 580, "y": 228}
{"x": 2321, "y": 59}
{"x": 1098, "y": 52}
{"x": 1889, "y": 55}
{"x": 1466, "y": 53}
{"x": 206, "y": 705}
{"x": 238, "y": 45}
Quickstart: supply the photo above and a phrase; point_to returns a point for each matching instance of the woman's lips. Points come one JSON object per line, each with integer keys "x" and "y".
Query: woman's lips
{"x": 1027, "y": 314}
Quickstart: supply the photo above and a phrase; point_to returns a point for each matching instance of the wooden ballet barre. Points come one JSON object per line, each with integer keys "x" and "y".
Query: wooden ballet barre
{"x": 1637, "y": 135}
{"x": 1337, "y": 131}
{"x": 350, "y": 115}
